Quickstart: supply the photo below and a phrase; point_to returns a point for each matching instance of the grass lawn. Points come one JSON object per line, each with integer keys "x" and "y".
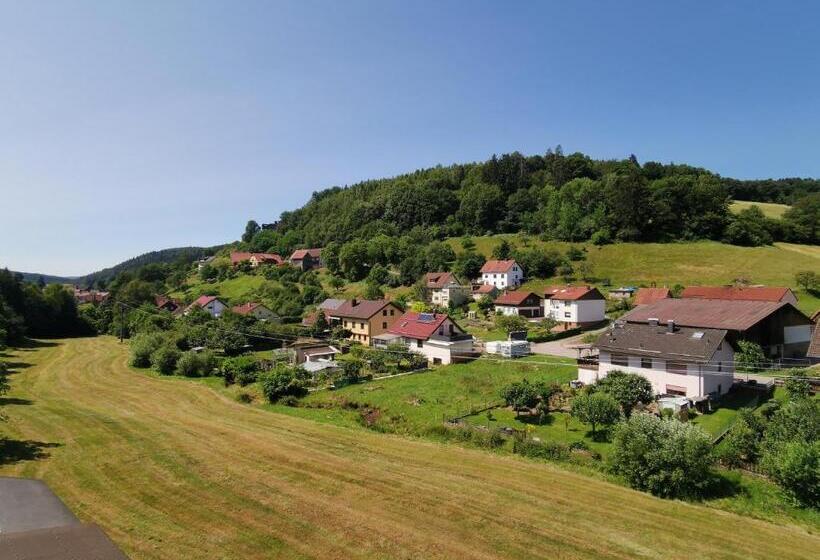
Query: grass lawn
{"x": 172, "y": 468}
{"x": 236, "y": 290}
{"x": 413, "y": 403}
{"x": 726, "y": 413}
{"x": 693, "y": 263}
{"x": 769, "y": 209}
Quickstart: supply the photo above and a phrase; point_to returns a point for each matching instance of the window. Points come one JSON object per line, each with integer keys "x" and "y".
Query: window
{"x": 345, "y": 324}
{"x": 419, "y": 342}
{"x": 391, "y": 312}
{"x": 675, "y": 390}
{"x": 361, "y": 325}
{"x": 384, "y": 325}
{"x": 619, "y": 360}
{"x": 384, "y": 312}
{"x": 720, "y": 368}
{"x": 646, "y": 363}
{"x": 676, "y": 367}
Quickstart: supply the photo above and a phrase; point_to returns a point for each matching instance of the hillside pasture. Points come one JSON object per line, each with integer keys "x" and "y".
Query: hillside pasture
{"x": 174, "y": 469}
{"x": 769, "y": 209}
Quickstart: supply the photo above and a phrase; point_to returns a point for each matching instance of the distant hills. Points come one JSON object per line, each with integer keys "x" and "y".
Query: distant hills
{"x": 172, "y": 255}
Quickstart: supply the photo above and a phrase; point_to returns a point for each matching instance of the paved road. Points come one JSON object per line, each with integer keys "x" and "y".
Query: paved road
{"x": 29, "y": 504}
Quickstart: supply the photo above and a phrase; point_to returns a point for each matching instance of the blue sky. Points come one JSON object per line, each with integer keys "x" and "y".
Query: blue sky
{"x": 128, "y": 127}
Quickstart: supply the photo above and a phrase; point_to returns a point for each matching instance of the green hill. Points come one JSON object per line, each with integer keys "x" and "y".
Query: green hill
{"x": 769, "y": 209}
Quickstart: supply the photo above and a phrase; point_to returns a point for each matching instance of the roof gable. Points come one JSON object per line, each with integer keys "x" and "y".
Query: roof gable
{"x": 496, "y": 266}
{"x": 360, "y": 309}
{"x": 517, "y": 297}
{"x": 651, "y": 295}
{"x": 571, "y": 293}
{"x": 731, "y": 315}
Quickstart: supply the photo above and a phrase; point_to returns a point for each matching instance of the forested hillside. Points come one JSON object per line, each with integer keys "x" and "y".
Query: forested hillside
{"x": 562, "y": 197}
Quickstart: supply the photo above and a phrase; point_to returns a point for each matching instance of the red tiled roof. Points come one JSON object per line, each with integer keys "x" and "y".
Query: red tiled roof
{"x": 515, "y": 298}
{"x": 708, "y": 313}
{"x": 238, "y": 257}
{"x": 202, "y": 301}
{"x": 651, "y": 295}
{"x": 363, "y": 309}
{"x": 439, "y": 279}
{"x": 246, "y": 308}
{"x": 569, "y": 293}
{"x": 485, "y": 289}
{"x": 411, "y": 324}
{"x": 755, "y": 293}
{"x": 497, "y": 266}
{"x": 300, "y": 254}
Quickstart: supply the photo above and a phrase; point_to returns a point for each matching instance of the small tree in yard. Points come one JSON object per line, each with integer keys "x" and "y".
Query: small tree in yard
{"x": 628, "y": 389}
{"x": 664, "y": 457}
{"x": 742, "y": 442}
{"x": 485, "y": 304}
{"x": 749, "y": 357}
{"x": 510, "y": 323}
{"x": 808, "y": 280}
{"x": 320, "y": 325}
{"x": 522, "y": 394}
{"x": 596, "y": 409}
{"x": 164, "y": 359}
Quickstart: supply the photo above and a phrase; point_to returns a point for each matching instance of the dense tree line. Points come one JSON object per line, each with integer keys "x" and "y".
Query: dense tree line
{"x": 28, "y": 309}
{"x": 565, "y": 197}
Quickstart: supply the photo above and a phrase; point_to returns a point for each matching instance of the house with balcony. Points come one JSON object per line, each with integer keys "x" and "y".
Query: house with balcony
{"x": 690, "y": 362}
{"x": 435, "y": 335}
{"x": 521, "y": 302}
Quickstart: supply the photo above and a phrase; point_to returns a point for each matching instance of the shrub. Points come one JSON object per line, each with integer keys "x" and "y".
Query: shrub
{"x": 142, "y": 346}
{"x": 796, "y": 467}
{"x": 541, "y": 450}
{"x": 164, "y": 359}
{"x": 241, "y": 369}
{"x": 244, "y": 398}
{"x": 193, "y": 364}
{"x": 664, "y": 457}
{"x": 797, "y": 388}
{"x": 284, "y": 381}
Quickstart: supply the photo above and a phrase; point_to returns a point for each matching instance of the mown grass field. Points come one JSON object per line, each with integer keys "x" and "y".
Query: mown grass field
{"x": 689, "y": 264}
{"x": 769, "y": 209}
{"x": 174, "y": 469}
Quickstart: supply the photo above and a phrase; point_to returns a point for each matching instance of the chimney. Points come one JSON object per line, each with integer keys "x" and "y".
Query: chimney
{"x": 670, "y": 325}
{"x": 653, "y": 321}
{"x": 354, "y": 302}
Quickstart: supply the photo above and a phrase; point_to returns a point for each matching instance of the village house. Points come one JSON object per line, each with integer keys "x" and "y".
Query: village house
{"x": 521, "y": 302}
{"x": 682, "y": 361}
{"x": 502, "y": 274}
{"x": 441, "y": 288}
{"x": 200, "y": 264}
{"x": 741, "y": 293}
{"x": 327, "y": 307}
{"x": 257, "y": 310}
{"x": 306, "y": 259}
{"x": 482, "y": 290}
{"x": 624, "y": 292}
{"x": 365, "y": 318}
{"x": 255, "y": 259}
{"x": 211, "y": 304}
{"x": 311, "y": 350}
{"x": 778, "y": 327}
{"x": 645, "y": 296}
{"x": 168, "y": 304}
{"x": 434, "y": 335}
{"x": 90, "y": 296}
{"x": 574, "y": 306}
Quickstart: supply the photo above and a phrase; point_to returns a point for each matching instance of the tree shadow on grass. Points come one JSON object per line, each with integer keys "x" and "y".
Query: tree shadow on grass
{"x": 535, "y": 420}
{"x": 14, "y": 401}
{"x": 722, "y": 484}
{"x": 14, "y": 451}
{"x": 32, "y": 344}
{"x": 17, "y": 366}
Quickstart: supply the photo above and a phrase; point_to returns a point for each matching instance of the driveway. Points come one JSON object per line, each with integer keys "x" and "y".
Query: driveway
{"x": 562, "y": 347}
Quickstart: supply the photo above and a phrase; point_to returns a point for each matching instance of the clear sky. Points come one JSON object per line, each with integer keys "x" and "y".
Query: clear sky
{"x": 132, "y": 126}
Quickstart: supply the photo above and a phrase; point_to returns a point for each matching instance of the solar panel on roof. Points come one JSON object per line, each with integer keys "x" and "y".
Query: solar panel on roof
{"x": 426, "y": 317}
{"x": 697, "y": 335}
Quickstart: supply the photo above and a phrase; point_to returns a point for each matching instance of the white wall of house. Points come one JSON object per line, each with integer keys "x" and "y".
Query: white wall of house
{"x": 698, "y": 379}
{"x": 504, "y": 280}
{"x": 575, "y": 311}
{"x": 456, "y": 294}
{"x": 439, "y": 351}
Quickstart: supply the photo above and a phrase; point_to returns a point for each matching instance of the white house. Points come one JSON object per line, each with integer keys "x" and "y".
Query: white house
{"x": 502, "y": 274}
{"x": 435, "y": 335}
{"x": 574, "y": 306}
{"x": 213, "y": 305}
{"x": 443, "y": 287}
{"x": 682, "y": 361}
{"x": 520, "y": 302}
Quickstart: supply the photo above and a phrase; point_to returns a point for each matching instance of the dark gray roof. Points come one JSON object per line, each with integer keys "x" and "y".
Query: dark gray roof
{"x": 685, "y": 343}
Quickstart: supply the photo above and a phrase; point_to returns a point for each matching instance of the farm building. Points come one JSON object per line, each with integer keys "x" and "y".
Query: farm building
{"x": 306, "y": 259}
{"x": 778, "y": 327}
{"x": 741, "y": 293}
